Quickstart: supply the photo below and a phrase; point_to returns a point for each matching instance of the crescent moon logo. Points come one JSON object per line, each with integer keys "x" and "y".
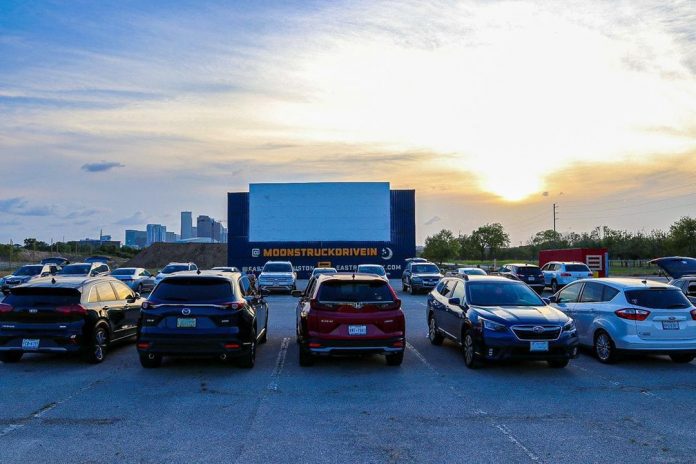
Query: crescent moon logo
{"x": 387, "y": 253}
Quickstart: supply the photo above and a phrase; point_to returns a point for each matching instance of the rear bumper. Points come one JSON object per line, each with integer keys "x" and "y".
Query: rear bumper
{"x": 323, "y": 347}
{"x": 188, "y": 345}
{"x": 637, "y": 344}
{"x": 48, "y": 343}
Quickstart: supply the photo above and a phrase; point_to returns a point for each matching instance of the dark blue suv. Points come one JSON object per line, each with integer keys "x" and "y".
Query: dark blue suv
{"x": 203, "y": 313}
{"x": 495, "y": 318}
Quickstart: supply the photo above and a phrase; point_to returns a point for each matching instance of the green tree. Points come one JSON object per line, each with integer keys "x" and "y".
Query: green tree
{"x": 490, "y": 237}
{"x": 441, "y": 246}
{"x": 682, "y": 236}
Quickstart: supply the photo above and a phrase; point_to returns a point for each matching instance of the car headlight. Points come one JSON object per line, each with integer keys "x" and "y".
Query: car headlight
{"x": 569, "y": 326}
{"x": 493, "y": 326}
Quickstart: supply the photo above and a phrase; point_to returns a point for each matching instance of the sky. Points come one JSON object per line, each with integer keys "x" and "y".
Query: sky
{"x": 115, "y": 114}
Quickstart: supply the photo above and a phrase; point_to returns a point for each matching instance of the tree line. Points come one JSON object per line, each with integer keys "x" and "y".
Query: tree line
{"x": 491, "y": 241}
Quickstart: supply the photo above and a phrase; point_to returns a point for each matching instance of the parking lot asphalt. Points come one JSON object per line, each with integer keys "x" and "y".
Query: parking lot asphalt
{"x": 431, "y": 409}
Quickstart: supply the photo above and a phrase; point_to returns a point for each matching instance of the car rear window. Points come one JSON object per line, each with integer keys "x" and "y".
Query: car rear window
{"x": 379, "y": 270}
{"x": 528, "y": 270}
{"x": 37, "y": 296}
{"x": 577, "y": 268}
{"x": 177, "y": 290}
{"x": 658, "y": 298}
{"x": 355, "y": 291}
{"x": 78, "y": 269}
{"x": 175, "y": 268}
{"x": 123, "y": 271}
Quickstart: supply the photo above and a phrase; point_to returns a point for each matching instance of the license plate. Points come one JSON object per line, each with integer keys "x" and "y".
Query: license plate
{"x": 538, "y": 346}
{"x": 670, "y": 325}
{"x": 186, "y": 322}
{"x": 30, "y": 344}
{"x": 531, "y": 279}
{"x": 357, "y": 330}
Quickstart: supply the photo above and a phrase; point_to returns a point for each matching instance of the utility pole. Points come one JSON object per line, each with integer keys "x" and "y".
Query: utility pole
{"x": 554, "y": 217}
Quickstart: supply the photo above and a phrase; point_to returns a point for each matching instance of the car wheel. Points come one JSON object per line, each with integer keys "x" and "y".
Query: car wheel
{"x": 682, "y": 358}
{"x": 604, "y": 348}
{"x": 150, "y": 361}
{"x": 411, "y": 290}
{"x": 306, "y": 358}
{"x": 95, "y": 351}
{"x": 395, "y": 359}
{"x": 434, "y": 334}
{"x": 403, "y": 287}
{"x": 10, "y": 357}
{"x": 554, "y": 287}
{"x": 249, "y": 359}
{"x": 264, "y": 337}
{"x": 469, "y": 351}
{"x": 558, "y": 363}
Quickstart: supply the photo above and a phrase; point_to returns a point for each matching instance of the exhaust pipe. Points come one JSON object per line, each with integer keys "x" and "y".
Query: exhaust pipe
{"x": 151, "y": 356}
{"x": 223, "y": 357}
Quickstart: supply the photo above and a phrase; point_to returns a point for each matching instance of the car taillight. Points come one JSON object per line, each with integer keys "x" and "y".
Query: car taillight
{"x": 693, "y": 314}
{"x": 632, "y": 314}
{"x": 234, "y": 305}
{"x": 71, "y": 309}
{"x": 317, "y": 306}
{"x": 566, "y": 274}
{"x": 146, "y": 305}
{"x": 5, "y": 308}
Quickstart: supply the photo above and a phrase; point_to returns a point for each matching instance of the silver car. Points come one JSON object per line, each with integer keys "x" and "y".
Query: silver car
{"x": 137, "y": 278}
{"x": 279, "y": 276}
{"x": 614, "y": 315}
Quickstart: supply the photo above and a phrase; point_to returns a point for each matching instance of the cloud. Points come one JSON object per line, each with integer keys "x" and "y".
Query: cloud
{"x": 80, "y": 213}
{"x": 137, "y": 218}
{"x": 20, "y": 207}
{"x": 432, "y": 220}
{"x": 101, "y": 166}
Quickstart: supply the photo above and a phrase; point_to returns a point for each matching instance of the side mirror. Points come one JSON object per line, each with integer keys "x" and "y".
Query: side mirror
{"x": 552, "y": 299}
{"x": 454, "y": 301}
{"x": 133, "y": 298}
{"x": 546, "y": 300}
{"x": 297, "y": 293}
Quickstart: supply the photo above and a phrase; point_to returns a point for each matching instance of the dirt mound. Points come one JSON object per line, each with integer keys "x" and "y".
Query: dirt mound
{"x": 158, "y": 255}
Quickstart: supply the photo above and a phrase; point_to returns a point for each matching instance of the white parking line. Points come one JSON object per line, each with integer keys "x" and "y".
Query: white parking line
{"x": 280, "y": 363}
{"x": 502, "y": 428}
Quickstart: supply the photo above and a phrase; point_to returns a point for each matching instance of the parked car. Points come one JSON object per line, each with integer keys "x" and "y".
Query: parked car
{"x": 203, "y": 313}
{"x": 530, "y": 274}
{"x": 416, "y": 260}
{"x": 225, "y": 269}
{"x": 98, "y": 259}
{"x": 462, "y": 271}
{"x": 84, "y": 270}
{"x": 615, "y": 315}
{"x": 420, "y": 276}
{"x": 137, "y": 278}
{"x": 495, "y": 318}
{"x": 683, "y": 273}
{"x": 28, "y": 273}
{"x": 67, "y": 315}
{"x": 344, "y": 314}
{"x": 56, "y": 260}
{"x": 376, "y": 269}
{"x": 171, "y": 268}
{"x": 278, "y": 276}
{"x": 558, "y": 274}
{"x": 323, "y": 270}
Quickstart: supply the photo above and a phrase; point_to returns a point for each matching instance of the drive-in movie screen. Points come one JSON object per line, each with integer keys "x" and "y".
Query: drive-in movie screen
{"x": 366, "y": 231}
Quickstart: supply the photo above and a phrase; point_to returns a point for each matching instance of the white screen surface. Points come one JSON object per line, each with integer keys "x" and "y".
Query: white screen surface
{"x": 330, "y": 212}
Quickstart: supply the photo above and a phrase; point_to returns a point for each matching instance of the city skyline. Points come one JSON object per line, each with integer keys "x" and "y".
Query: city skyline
{"x": 491, "y": 111}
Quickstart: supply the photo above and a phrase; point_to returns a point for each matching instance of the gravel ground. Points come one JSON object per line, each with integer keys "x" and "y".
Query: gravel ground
{"x": 431, "y": 409}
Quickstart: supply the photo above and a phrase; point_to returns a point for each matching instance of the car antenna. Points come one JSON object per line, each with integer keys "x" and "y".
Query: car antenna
{"x": 645, "y": 281}
{"x": 465, "y": 277}
{"x": 53, "y": 280}
{"x": 353, "y": 275}
{"x": 198, "y": 271}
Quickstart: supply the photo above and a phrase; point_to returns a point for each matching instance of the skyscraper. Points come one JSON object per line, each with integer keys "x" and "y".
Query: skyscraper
{"x": 186, "y": 225}
{"x": 156, "y": 233}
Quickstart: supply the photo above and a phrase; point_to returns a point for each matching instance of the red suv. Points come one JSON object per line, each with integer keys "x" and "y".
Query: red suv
{"x": 343, "y": 314}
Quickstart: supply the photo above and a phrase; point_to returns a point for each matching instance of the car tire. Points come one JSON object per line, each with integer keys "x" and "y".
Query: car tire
{"x": 558, "y": 363}
{"x": 95, "y": 351}
{"x": 471, "y": 359}
{"x": 395, "y": 359}
{"x": 403, "y": 287}
{"x": 604, "y": 348}
{"x": 248, "y": 360}
{"x": 681, "y": 358}
{"x": 150, "y": 362}
{"x": 10, "y": 357}
{"x": 306, "y": 358}
{"x": 264, "y": 337}
{"x": 554, "y": 286}
{"x": 411, "y": 290}
{"x": 434, "y": 334}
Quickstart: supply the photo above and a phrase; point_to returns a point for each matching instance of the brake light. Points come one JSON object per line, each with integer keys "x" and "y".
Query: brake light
{"x": 566, "y": 274}
{"x": 315, "y": 305}
{"x": 143, "y": 345}
{"x": 232, "y": 346}
{"x": 633, "y": 314}
{"x": 693, "y": 314}
{"x": 71, "y": 309}
{"x": 5, "y": 308}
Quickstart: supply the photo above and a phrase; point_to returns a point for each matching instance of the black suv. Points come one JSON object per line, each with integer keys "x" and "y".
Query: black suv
{"x": 203, "y": 313}
{"x": 530, "y": 274}
{"x": 420, "y": 276}
{"x": 64, "y": 315}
